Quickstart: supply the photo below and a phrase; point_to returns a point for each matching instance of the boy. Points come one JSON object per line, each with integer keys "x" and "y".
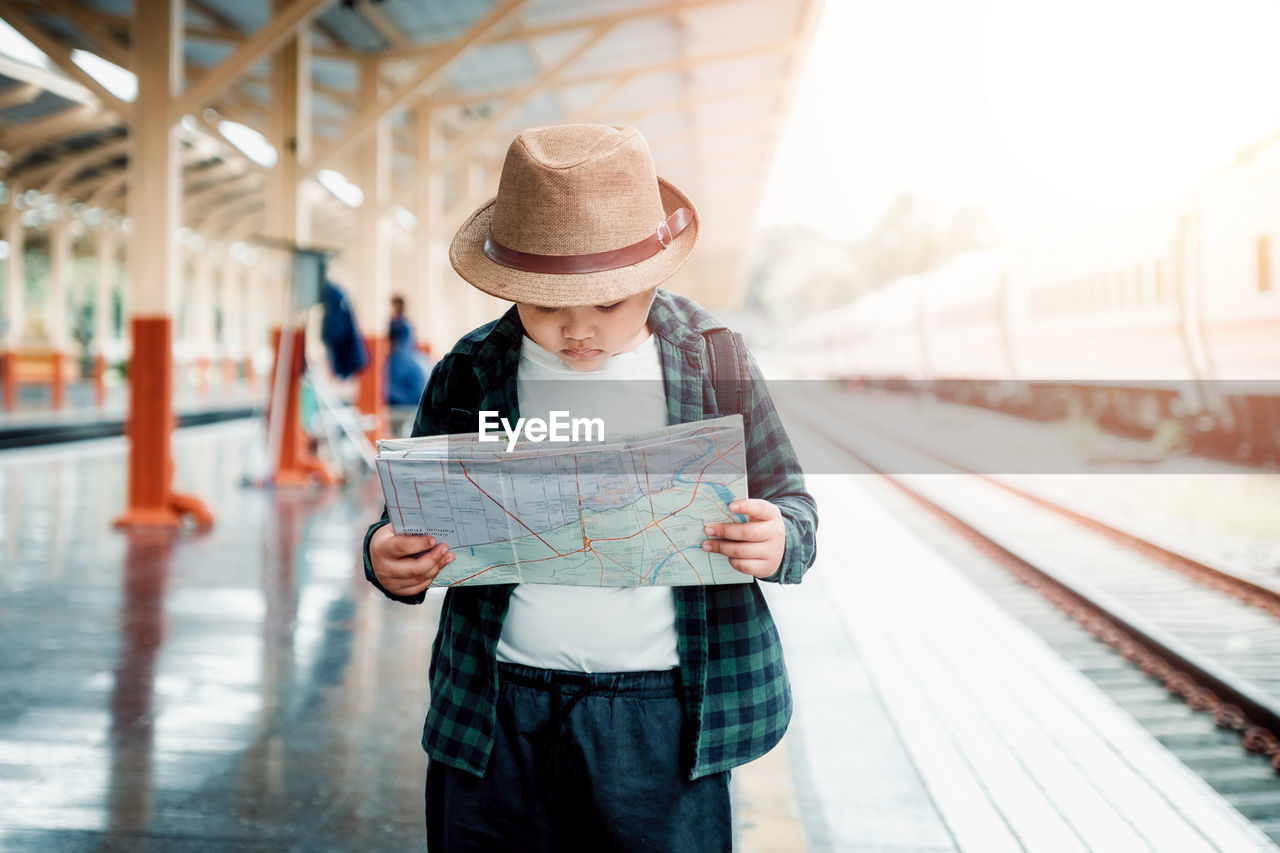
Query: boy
{"x": 567, "y": 718}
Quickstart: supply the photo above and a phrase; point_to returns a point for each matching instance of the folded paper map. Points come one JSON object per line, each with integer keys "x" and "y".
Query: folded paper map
{"x": 625, "y": 511}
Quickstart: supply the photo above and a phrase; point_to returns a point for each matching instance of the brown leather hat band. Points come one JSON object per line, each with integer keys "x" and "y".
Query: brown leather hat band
{"x": 614, "y": 259}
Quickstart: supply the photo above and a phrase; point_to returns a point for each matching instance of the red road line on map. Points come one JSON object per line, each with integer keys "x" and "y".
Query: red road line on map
{"x": 395, "y": 492}
{"x": 682, "y": 556}
{"x": 721, "y": 454}
{"x": 503, "y": 508}
{"x": 619, "y": 565}
{"x": 655, "y": 523}
{"x": 478, "y": 574}
{"x": 648, "y": 488}
{"x": 582, "y": 524}
{"x": 587, "y": 542}
{"x": 500, "y": 565}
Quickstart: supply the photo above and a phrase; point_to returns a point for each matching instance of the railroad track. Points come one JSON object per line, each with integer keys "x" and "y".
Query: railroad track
{"x": 93, "y": 425}
{"x": 1172, "y": 624}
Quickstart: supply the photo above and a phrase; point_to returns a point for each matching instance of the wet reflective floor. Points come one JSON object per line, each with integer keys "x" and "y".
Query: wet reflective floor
{"x": 244, "y": 689}
{"x": 248, "y": 690}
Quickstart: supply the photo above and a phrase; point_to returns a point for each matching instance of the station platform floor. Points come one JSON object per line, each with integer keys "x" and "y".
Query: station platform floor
{"x": 34, "y": 406}
{"x": 246, "y": 689}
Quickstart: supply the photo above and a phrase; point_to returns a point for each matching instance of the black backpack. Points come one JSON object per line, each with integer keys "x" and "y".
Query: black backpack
{"x": 726, "y": 362}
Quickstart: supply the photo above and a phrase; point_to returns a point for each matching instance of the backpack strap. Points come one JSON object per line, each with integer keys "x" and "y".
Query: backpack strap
{"x": 727, "y": 365}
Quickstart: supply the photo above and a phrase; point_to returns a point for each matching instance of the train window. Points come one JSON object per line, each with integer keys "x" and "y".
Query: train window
{"x": 1264, "y": 264}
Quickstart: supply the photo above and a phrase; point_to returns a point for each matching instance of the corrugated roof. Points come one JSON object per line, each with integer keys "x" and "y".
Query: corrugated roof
{"x": 706, "y": 82}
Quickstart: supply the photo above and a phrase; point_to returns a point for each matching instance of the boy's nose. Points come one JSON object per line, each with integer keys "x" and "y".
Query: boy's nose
{"x": 579, "y": 333}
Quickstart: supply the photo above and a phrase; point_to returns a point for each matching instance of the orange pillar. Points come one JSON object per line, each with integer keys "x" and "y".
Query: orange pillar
{"x": 9, "y": 376}
{"x": 151, "y": 501}
{"x": 372, "y": 397}
{"x": 155, "y": 186}
{"x": 100, "y": 379}
{"x": 58, "y": 381}
{"x": 296, "y": 465}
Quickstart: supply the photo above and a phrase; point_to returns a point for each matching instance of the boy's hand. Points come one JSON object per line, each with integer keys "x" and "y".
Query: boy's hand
{"x": 406, "y": 565}
{"x": 755, "y": 546}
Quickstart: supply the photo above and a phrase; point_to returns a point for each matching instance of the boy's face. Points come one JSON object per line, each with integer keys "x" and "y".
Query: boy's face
{"x": 585, "y": 336}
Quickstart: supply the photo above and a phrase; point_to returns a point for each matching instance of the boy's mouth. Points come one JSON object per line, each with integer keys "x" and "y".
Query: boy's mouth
{"x": 582, "y": 353}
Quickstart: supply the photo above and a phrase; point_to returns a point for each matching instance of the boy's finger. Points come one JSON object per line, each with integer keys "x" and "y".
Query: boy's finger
{"x": 405, "y": 545}
{"x": 734, "y": 549}
{"x": 426, "y": 564}
{"x": 749, "y": 531}
{"x": 755, "y": 568}
{"x": 757, "y": 508}
{"x": 437, "y": 558}
{"x": 417, "y": 588}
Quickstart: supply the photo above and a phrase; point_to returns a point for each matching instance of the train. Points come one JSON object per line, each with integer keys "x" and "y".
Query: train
{"x": 1168, "y": 317}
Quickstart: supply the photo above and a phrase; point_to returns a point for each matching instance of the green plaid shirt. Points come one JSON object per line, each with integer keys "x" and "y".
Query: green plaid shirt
{"x": 736, "y": 695}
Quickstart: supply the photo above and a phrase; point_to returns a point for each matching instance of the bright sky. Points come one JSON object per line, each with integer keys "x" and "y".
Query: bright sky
{"x": 1041, "y": 112}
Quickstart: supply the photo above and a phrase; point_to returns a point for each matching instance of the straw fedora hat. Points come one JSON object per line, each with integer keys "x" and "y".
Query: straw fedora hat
{"x": 580, "y": 218}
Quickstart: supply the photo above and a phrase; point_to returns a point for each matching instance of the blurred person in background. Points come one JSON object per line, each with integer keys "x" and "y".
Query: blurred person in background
{"x": 407, "y": 366}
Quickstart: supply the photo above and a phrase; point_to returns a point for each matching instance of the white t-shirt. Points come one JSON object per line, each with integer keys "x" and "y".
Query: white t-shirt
{"x": 581, "y": 628}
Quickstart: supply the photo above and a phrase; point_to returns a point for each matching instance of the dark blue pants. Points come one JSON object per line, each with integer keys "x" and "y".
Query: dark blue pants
{"x": 581, "y": 761}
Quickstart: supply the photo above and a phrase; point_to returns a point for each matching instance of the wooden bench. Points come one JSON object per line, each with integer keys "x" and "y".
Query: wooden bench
{"x": 37, "y": 366}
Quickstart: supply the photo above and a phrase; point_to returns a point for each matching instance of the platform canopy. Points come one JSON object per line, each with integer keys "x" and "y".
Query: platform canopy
{"x": 708, "y": 82}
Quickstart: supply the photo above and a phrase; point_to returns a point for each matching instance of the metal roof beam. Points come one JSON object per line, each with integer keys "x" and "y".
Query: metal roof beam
{"x": 108, "y": 189}
{"x": 193, "y": 203}
{"x": 247, "y": 223}
{"x": 526, "y": 32}
{"x": 229, "y": 26}
{"x": 696, "y": 100}
{"x": 218, "y": 32}
{"x": 383, "y": 25}
{"x": 220, "y": 219}
{"x": 60, "y": 54}
{"x": 366, "y": 120}
{"x": 602, "y": 99}
{"x": 633, "y": 71}
{"x": 237, "y": 37}
{"x": 262, "y": 43}
{"x": 203, "y": 215}
{"x": 514, "y": 100}
{"x": 23, "y": 93}
{"x": 68, "y": 168}
{"x": 49, "y": 81}
{"x": 682, "y": 137}
{"x": 19, "y": 140}
{"x": 808, "y": 23}
{"x": 106, "y": 41}
{"x": 85, "y": 190}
